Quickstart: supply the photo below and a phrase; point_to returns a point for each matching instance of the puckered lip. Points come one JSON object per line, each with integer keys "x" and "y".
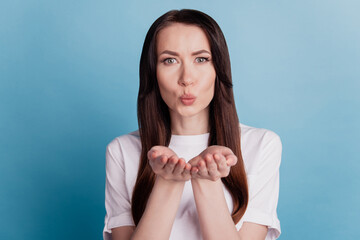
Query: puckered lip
{"x": 187, "y": 96}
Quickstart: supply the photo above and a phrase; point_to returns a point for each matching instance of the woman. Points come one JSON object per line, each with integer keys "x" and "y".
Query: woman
{"x": 183, "y": 175}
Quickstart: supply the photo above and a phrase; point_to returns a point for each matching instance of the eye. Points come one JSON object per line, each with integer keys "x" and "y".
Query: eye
{"x": 202, "y": 59}
{"x": 169, "y": 60}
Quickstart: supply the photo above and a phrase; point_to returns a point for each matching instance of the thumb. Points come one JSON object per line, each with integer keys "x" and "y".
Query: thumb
{"x": 194, "y": 161}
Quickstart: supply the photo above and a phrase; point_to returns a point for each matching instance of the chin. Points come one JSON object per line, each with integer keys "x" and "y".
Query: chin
{"x": 184, "y": 112}
{"x": 188, "y": 111}
{"x": 187, "y": 114}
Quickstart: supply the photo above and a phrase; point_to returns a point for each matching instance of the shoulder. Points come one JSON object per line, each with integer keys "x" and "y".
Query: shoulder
{"x": 260, "y": 147}
{"x": 258, "y": 135}
{"x": 121, "y": 147}
{"x": 132, "y": 138}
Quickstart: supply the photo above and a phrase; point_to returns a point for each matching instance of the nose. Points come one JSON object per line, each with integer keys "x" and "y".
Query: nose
{"x": 186, "y": 76}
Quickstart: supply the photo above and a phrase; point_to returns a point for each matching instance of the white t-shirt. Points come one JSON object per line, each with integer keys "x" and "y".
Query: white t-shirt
{"x": 261, "y": 151}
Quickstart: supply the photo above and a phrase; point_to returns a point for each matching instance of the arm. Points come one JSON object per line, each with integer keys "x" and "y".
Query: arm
{"x": 163, "y": 202}
{"x": 160, "y": 212}
{"x": 122, "y": 233}
{"x": 213, "y": 163}
{"x": 217, "y": 223}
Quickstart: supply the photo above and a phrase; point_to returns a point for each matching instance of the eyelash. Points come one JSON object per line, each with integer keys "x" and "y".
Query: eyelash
{"x": 206, "y": 59}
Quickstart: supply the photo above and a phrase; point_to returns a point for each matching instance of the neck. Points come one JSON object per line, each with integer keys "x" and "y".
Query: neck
{"x": 193, "y": 125}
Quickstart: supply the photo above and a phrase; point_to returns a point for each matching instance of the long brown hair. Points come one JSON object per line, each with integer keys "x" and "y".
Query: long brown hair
{"x": 154, "y": 117}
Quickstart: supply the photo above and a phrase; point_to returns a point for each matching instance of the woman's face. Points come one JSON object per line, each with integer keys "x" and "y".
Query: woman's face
{"x": 185, "y": 71}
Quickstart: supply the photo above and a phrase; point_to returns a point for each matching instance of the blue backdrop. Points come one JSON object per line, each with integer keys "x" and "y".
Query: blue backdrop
{"x": 69, "y": 82}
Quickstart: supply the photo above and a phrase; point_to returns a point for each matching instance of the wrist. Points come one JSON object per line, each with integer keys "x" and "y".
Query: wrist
{"x": 206, "y": 183}
{"x": 168, "y": 182}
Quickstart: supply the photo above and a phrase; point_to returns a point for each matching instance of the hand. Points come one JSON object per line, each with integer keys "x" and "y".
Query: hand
{"x": 213, "y": 163}
{"x": 166, "y": 164}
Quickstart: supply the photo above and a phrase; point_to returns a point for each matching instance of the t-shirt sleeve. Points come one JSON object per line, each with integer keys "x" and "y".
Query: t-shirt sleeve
{"x": 117, "y": 199}
{"x": 264, "y": 186}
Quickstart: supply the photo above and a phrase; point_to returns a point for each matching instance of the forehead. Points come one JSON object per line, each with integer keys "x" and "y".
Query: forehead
{"x": 182, "y": 38}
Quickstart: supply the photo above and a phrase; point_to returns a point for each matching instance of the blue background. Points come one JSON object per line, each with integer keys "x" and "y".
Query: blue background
{"x": 69, "y": 82}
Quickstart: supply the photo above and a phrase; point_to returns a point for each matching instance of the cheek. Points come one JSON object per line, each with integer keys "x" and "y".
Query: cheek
{"x": 161, "y": 82}
{"x": 209, "y": 84}
{"x": 168, "y": 94}
{"x": 163, "y": 78}
{"x": 210, "y": 89}
{"x": 166, "y": 81}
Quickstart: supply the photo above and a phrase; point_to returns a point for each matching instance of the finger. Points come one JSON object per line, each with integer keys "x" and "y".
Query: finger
{"x": 212, "y": 168}
{"x": 223, "y": 168}
{"x": 202, "y": 169}
{"x": 193, "y": 162}
{"x": 220, "y": 161}
{"x": 179, "y": 167}
{"x": 187, "y": 171}
{"x": 152, "y": 154}
{"x": 194, "y": 171}
{"x": 158, "y": 163}
{"x": 161, "y": 161}
{"x": 231, "y": 160}
{"x": 170, "y": 165}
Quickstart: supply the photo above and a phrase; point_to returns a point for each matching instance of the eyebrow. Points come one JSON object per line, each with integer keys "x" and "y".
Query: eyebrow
{"x": 193, "y": 54}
